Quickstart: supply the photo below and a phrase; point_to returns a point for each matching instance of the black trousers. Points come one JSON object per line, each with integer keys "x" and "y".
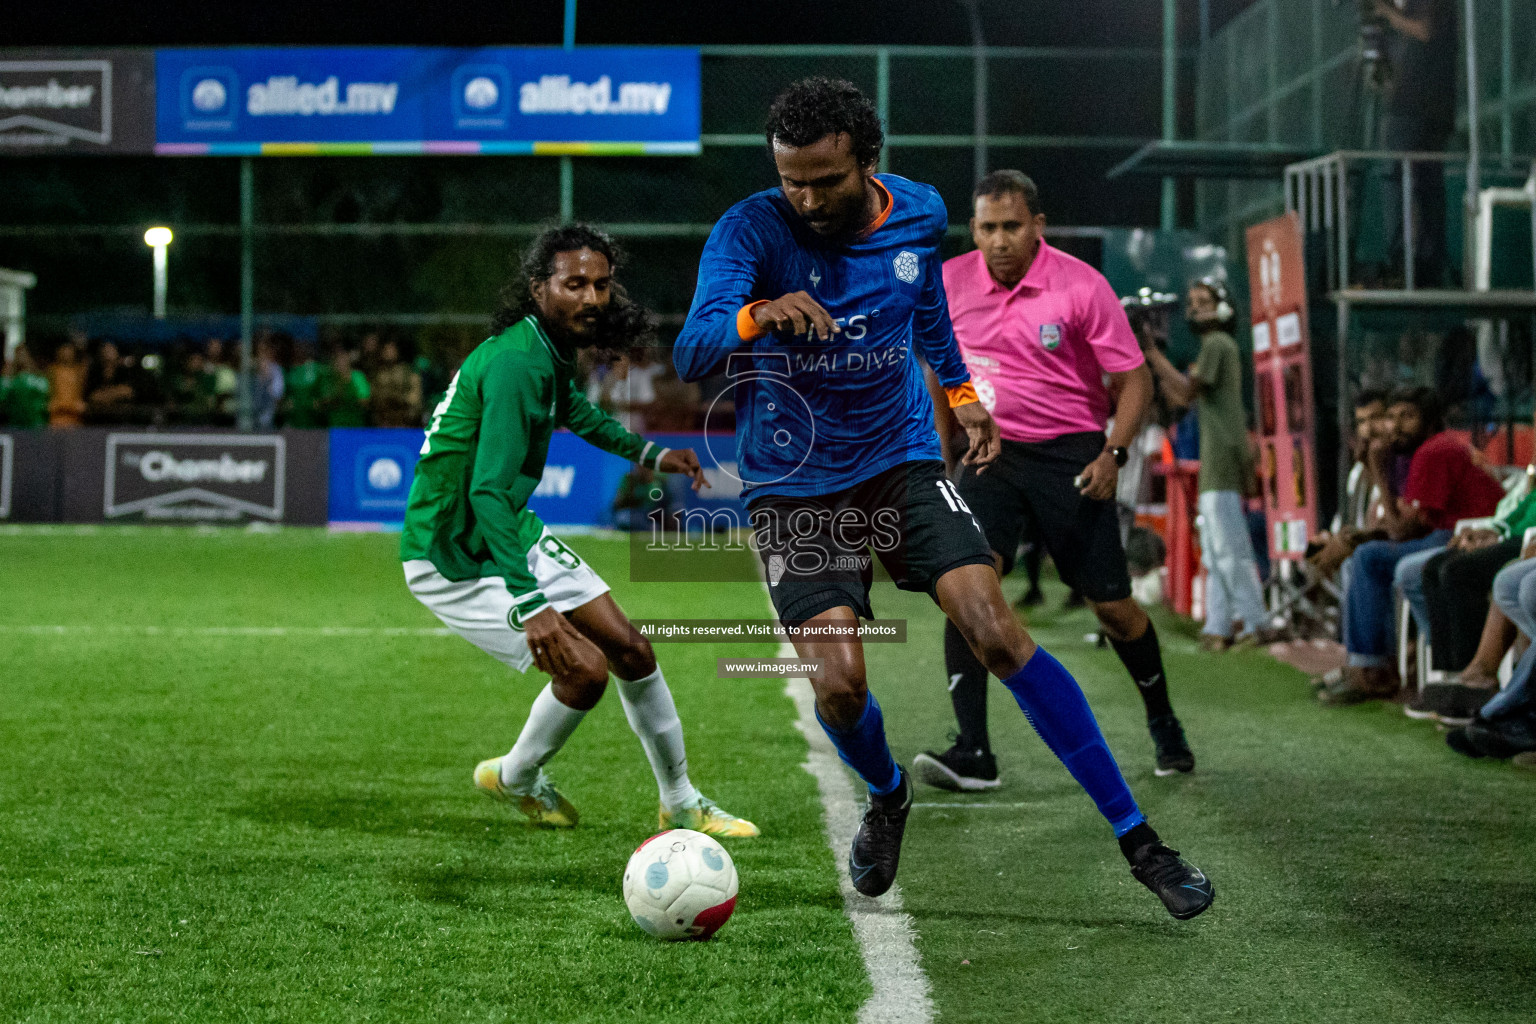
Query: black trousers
{"x": 1456, "y": 588}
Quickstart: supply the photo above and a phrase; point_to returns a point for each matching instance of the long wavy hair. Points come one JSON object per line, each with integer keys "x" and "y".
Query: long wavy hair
{"x": 624, "y": 323}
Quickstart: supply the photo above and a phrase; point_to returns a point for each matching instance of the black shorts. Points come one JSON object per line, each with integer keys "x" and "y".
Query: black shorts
{"x": 816, "y": 550}
{"x": 1030, "y": 487}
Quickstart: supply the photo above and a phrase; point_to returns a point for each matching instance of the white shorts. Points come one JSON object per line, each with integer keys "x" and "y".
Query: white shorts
{"x": 480, "y": 610}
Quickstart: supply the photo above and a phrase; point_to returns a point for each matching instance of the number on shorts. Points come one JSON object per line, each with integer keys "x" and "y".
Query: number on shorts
{"x": 952, "y": 497}
{"x": 555, "y": 548}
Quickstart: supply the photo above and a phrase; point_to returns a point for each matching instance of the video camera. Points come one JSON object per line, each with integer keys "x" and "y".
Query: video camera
{"x": 1375, "y": 67}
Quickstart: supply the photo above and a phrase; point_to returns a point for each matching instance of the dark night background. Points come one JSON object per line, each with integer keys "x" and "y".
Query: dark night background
{"x": 465, "y": 23}
{"x": 93, "y": 269}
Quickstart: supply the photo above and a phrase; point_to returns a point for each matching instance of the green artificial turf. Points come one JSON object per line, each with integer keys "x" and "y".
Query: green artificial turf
{"x": 1364, "y": 872}
{"x": 242, "y": 827}
{"x": 281, "y": 827}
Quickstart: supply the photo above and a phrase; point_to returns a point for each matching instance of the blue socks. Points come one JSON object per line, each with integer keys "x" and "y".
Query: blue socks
{"x": 863, "y": 748}
{"x": 1056, "y": 707}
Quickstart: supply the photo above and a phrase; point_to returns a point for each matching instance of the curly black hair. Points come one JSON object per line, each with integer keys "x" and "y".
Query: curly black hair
{"x": 814, "y": 108}
{"x": 624, "y": 323}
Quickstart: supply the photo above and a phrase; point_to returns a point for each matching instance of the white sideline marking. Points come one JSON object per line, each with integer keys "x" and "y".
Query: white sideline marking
{"x": 901, "y": 994}
{"x": 277, "y": 631}
{"x": 1012, "y": 806}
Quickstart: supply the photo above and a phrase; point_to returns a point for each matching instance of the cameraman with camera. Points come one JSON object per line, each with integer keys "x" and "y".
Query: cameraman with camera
{"x": 1214, "y": 385}
{"x": 1414, "y": 70}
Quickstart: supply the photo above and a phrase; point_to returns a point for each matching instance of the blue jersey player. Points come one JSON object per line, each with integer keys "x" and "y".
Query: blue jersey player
{"x": 817, "y": 298}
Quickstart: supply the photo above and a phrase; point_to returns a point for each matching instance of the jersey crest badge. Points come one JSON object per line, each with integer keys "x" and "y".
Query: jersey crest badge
{"x": 1050, "y": 336}
{"x": 907, "y": 266}
{"x": 815, "y": 277}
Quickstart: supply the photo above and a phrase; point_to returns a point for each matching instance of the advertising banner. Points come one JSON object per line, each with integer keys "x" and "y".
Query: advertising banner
{"x": 1282, "y": 383}
{"x": 7, "y": 469}
{"x": 76, "y": 101}
{"x": 29, "y": 476}
{"x": 370, "y": 474}
{"x": 194, "y": 476}
{"x": 371, "y": 471}
{"x": 217, "y": 477}
{"x": 398, "y": 100}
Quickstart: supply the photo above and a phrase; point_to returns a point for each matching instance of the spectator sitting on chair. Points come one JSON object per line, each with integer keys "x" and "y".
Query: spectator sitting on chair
{"x": 1355, "y": 521}
{"x": 1442, "y": 485}
{"x": 1505, "y": 726}
{"x": 1449, "y": 595}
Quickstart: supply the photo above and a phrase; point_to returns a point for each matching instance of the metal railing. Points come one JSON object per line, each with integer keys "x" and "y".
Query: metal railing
{"x": 1324, "y": 193}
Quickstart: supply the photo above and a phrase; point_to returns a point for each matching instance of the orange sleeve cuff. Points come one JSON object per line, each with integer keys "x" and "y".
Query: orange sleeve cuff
{"x": 747, "y": 328}
{"x": 962, "y": 394}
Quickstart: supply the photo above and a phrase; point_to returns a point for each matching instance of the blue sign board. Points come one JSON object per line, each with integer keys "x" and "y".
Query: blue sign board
{"x": 372, "y": 467}
{"x": 394, "y": 100}
{"x": 370, "y": 473}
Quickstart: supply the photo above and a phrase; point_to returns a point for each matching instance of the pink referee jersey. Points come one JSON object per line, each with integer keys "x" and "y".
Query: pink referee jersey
{"x": 1038, "y": 351}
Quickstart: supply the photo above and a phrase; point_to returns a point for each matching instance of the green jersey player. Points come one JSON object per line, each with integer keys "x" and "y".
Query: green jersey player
{"x": 481, "y": 560}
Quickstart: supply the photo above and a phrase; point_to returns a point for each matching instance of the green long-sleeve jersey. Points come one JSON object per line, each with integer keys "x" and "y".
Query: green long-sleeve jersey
{"x": 484, "y": 454}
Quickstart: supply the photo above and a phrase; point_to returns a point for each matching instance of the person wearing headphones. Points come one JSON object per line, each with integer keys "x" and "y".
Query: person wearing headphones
{"x": 1214, "y": 385}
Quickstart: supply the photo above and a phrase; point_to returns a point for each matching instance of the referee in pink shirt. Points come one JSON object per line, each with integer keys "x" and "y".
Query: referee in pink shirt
{"x": 1041, "y": 331}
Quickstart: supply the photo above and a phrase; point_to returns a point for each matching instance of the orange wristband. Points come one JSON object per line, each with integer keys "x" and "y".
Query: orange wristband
{"x": 961, "y": 394}
{"x": 746, "y": 327}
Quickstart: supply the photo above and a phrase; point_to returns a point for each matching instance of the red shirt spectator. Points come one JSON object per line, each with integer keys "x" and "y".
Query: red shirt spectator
{"x": 1446, "y": 485}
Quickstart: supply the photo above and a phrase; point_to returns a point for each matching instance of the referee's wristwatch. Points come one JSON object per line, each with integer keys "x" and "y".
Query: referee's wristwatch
{"x": 1121, "y": 454}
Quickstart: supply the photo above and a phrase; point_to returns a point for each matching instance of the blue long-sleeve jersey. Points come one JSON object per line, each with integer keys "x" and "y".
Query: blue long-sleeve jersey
{"x": 816, "y": 417}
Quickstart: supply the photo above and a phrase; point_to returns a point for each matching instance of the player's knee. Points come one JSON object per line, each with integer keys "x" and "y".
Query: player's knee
{"x": 999, "y": 641}
{"x": 634, "y": 659}
{"x": 1123, "y": 619}
{"x": 582, "y": 686}
{"x": 841, "y": 693}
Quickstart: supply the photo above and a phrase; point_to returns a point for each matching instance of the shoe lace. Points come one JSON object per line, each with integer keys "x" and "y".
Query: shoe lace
{"x": 1161, "y": 865}
{"x": 543, "y": 791}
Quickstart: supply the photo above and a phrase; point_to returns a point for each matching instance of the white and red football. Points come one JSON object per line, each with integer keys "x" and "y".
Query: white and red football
{"x": 680, "y": 884}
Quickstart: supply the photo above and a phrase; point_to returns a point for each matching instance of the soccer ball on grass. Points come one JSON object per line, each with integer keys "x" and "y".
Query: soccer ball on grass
{"x": 680, "y": 884}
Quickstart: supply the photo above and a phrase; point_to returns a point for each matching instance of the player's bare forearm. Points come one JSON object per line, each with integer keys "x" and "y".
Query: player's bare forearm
{"x": 981, "y": 428}
{"x": 1133, "y": 397}
{"x": 684, "y": 460}
{"x": 1179, "y": 388}
{"x": 943, "y": 419}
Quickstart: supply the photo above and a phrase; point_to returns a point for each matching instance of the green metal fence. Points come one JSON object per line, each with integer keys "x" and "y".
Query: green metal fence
{"x": 1288, "y": 71}
{"x": 429, "y": 240}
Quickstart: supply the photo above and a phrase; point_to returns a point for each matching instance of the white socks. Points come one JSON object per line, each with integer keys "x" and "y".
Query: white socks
{"x": 652, "y": 715}
{"x": 549, "y": 725}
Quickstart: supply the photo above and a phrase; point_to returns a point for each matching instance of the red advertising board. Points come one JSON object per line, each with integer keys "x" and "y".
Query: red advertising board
{"x": 1282, "y": 384}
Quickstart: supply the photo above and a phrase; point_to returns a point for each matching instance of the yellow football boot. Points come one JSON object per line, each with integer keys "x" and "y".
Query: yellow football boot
{"x": 706, "y": 816}
{"x": 544, "y": 805}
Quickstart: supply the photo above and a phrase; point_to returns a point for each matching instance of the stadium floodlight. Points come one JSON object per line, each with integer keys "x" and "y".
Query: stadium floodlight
{"x": 159, "y": 239}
